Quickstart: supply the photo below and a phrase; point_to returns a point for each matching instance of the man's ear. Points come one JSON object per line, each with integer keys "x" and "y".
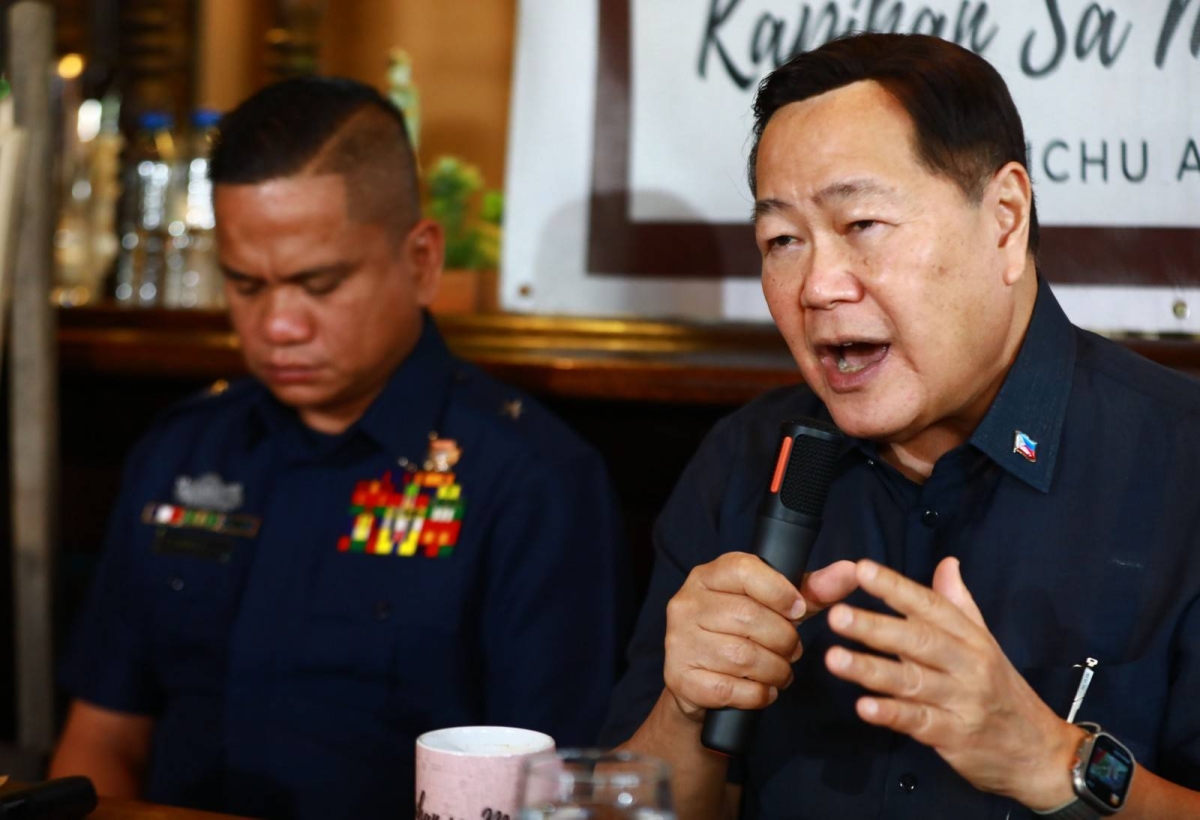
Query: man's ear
{"x": 1010, "y": 197}
{"x": 423, "y": 252}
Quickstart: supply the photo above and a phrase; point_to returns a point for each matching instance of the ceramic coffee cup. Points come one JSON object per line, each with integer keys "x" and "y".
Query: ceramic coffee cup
{"x": 473, "y": 772}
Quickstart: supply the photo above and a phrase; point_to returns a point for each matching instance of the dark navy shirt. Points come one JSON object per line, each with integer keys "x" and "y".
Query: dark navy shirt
{"x": 1092, "y": 550}
{"x": 288, "y": 667}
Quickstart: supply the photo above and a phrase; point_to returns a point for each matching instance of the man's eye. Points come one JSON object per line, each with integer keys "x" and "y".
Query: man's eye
{"x": 246, "y": 287}
{"x": 862, "y": 224}
{"x": 780, "y": 241}
{"x": 320, "y": 287}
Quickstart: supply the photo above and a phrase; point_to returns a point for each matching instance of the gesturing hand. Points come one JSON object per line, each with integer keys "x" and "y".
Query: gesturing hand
{"x": 950, "y": 686}
{"x": 731, "y": 631}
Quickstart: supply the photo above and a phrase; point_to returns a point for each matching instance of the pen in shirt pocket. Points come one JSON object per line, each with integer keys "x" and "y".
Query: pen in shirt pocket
{"x": 1085, "y": 680}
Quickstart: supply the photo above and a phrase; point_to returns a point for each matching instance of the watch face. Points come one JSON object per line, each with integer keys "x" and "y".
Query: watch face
{"x": 1109, "y": 772}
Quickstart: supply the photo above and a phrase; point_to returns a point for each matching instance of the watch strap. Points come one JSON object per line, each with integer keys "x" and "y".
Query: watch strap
{"x": 1075, "y": 810}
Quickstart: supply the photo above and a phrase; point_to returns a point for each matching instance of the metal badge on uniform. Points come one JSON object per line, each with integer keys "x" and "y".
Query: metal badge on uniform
{"x": 208, "y": 492}
{"x": 443, "y": 454}
{"x": 1025, "y": 446}
{"x": 424, "y": 513}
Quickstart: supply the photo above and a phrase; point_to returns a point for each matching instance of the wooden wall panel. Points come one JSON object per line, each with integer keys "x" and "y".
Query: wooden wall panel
{"x": 462, "y": 53}
{"x": 462, "y": 56}
{"x": 230, "y": 43}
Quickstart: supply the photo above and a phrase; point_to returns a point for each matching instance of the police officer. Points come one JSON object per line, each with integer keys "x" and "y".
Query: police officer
{"x": 367, "y": 540}
{"x": 1003, "y": 615}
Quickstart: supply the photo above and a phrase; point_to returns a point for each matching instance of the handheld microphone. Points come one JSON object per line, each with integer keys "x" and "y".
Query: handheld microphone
{"x": 789, "y": 518}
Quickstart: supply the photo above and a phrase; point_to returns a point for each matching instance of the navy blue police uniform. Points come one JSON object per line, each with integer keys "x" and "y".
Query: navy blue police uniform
{"x": 294, "y": 609}
{"x": 1072, "y": 510}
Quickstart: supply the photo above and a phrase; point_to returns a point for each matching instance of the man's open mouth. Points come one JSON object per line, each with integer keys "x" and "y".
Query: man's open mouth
{"x": 852, "y": 357}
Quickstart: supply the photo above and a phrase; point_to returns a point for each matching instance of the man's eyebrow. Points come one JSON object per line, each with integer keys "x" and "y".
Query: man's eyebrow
{"x": 336, "y": 269}
{"x": 841, "y": 190}
{"x": 766, "y": 207}
{"x": 233, "y": 273}
{"x": 852, "y": 189}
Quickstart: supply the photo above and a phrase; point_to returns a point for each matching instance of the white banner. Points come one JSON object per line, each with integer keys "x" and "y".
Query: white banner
{"x": 627, "y": 185}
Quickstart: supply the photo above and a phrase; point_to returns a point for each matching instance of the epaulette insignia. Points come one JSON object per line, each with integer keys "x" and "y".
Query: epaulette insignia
{"x": 513, "y": 409}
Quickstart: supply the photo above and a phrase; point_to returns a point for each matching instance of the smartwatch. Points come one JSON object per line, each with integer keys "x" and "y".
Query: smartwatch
{"x": 1101, "y": 774}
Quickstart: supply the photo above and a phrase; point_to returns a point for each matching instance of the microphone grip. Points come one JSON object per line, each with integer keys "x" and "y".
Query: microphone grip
{"x": 785, "y": 547}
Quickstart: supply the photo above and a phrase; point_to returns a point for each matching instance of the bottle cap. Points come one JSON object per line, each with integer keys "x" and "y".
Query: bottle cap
{"x": 205, "y": 118}
{"x": 155, "y": 120}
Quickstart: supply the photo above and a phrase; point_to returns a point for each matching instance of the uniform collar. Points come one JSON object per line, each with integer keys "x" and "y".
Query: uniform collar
{"x": 410, "y": 407}
{"x": 1026, "y": 417}
{"x": 414, "y": 401}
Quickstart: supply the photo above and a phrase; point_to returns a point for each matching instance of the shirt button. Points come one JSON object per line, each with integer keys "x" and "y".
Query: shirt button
{"x": 381, "y": 611}
{"x": 175, "y": 583}
{"x": 908, "y": 782}
{"x": 929, "y": 518}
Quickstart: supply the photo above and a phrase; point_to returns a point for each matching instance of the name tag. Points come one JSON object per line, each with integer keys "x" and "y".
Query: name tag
{"x": 208, "y": 546}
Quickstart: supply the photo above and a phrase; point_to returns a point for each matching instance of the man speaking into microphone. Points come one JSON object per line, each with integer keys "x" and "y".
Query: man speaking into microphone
{"x": 1001, "y": 615}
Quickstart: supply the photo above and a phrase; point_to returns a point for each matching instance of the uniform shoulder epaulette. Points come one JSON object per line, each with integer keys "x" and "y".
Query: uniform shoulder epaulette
{"x": 219, "y": 393}
{"x": 488, "y": 398}
{"x": 513, "y": 413}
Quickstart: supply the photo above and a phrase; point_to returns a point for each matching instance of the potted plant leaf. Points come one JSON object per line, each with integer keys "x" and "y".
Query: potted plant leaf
{"x": 470, "y": 217}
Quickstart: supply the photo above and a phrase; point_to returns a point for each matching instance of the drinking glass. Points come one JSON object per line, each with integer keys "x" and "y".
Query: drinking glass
{"x": 589, "y": 784}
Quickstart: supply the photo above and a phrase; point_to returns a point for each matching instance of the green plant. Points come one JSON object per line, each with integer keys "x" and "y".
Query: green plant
{"x": 470, "y": 219}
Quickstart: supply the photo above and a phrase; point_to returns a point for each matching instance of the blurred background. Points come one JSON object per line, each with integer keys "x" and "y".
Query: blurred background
{"x": 141, "y": 84}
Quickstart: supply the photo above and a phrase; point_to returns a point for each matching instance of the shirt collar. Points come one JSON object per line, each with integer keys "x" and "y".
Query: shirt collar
{"x": 414, "y": 401}
{"x": 403, "y": 416}
{"x": 1022, "y": 430}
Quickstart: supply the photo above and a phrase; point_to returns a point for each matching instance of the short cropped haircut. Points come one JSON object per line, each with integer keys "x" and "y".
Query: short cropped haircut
{"x": 965, "y": 122}
{"x": 324, "y": 125}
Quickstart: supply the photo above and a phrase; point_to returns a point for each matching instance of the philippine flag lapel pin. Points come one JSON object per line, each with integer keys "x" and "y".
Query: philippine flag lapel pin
{"x": 1025, "y": 446}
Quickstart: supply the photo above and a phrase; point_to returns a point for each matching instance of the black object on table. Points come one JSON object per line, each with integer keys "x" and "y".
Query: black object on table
{"x": 65, "y": 798}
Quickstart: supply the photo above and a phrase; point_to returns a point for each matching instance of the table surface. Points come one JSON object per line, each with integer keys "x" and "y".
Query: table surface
{"x": 113, "y": 809}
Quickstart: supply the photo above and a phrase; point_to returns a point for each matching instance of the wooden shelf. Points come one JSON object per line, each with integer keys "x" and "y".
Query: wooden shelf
{"x": 576, "y": 358}
{"x": 633, "y": 360}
